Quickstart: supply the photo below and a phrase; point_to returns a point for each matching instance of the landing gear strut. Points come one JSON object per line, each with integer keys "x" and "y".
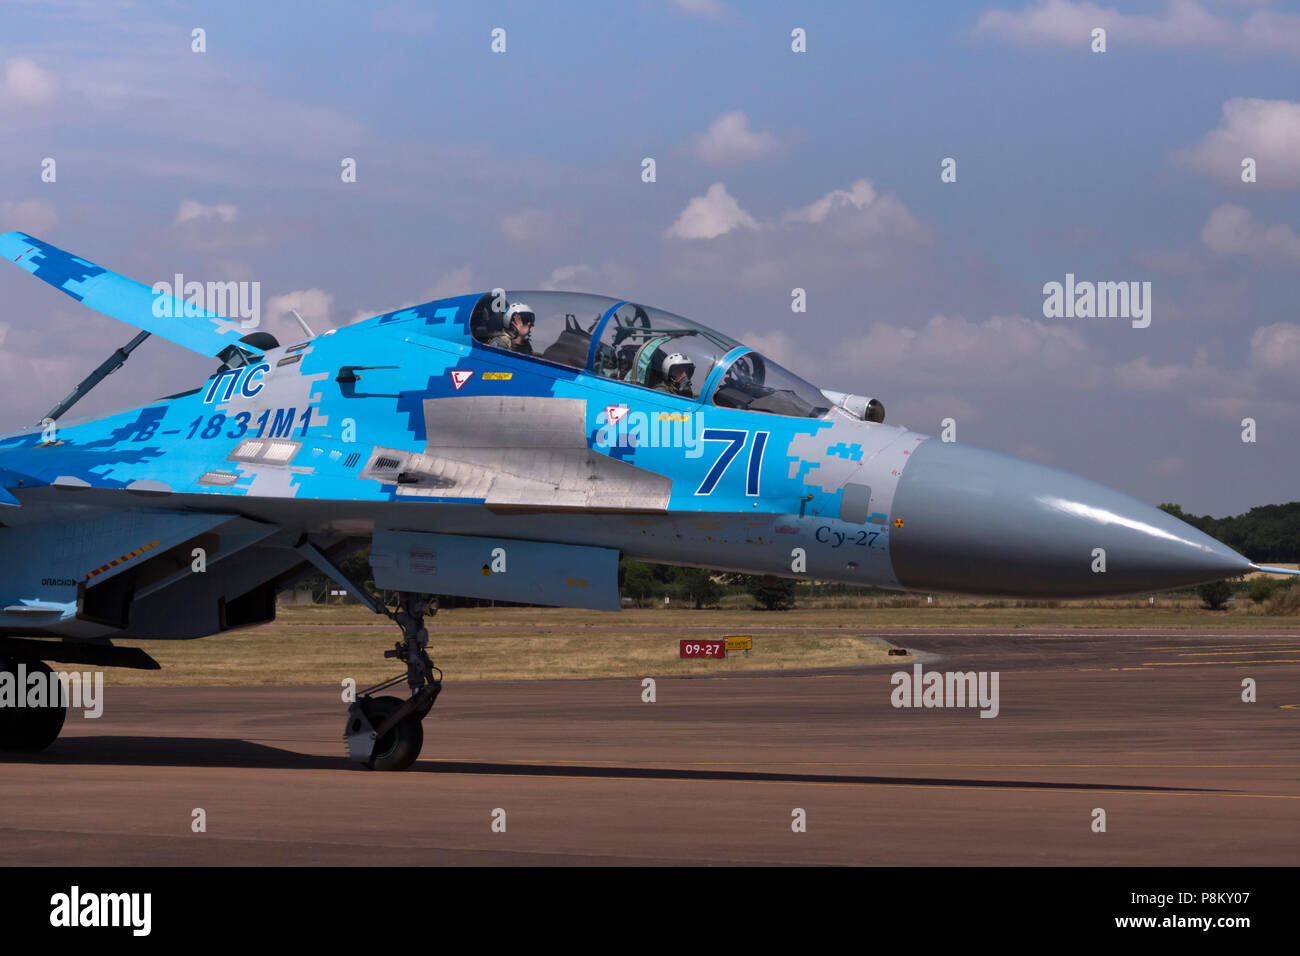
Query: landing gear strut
{"x": 24, "y": 727}
{"x": 385, "y": 733}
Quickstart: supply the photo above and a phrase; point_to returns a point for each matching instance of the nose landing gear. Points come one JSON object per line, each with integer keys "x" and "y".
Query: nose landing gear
{"x": 385, "y": 733}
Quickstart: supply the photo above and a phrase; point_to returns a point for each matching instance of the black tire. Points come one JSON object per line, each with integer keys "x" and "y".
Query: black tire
{"x": 30, "y": 729}
{"x": 400, "y": 747}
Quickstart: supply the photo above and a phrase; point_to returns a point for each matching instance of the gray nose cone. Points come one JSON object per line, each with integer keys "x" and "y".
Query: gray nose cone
{"x": 978, "y": 522}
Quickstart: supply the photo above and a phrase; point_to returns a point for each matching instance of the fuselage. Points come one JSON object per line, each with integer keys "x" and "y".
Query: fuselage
{"x": 408, "y": 421}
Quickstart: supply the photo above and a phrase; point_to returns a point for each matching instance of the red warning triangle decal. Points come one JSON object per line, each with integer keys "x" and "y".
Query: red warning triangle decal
{"x": 459, "y": 376}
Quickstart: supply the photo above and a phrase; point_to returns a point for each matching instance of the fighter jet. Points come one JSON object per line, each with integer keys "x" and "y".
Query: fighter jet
{"x": 506, "y": 445}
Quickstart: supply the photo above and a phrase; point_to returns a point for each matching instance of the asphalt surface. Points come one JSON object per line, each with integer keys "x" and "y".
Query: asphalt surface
{"x": 1148, "y": 726}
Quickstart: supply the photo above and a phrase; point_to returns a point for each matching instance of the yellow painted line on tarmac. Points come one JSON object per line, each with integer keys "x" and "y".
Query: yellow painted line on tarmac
{"x": 1225, "y": 647}
{"x": 1280, "y": 660}
{"x": 1095, "y": 638}
{"x": 1261, "y": 650}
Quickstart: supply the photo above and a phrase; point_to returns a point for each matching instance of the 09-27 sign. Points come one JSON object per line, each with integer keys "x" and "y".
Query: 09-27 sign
{"x": 704, "y": 648}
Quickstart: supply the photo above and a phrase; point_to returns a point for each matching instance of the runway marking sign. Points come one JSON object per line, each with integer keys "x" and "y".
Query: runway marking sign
{"x": 739, "y": 642}
{"x": 704, "y": 648}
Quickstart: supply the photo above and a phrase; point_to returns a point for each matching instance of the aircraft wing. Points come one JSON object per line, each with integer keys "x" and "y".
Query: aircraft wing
{"x": 121, "y": 298}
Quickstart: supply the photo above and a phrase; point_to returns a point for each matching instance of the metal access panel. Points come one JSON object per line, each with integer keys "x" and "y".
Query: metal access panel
{"x": 502, "y": 569}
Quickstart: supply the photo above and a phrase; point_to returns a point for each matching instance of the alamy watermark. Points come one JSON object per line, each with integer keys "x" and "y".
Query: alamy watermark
{"x": 40, "y": 688}
{"x": 73, "y": 909}
{"x": 621, "y": 428}
{"x": 946, "y": 689}
{"x": 190, "y": 300}
{"x": 1098, "y": 300}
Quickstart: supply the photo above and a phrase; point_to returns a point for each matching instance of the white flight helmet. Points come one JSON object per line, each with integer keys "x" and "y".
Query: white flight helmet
{"x": 676, "y": 361}
{"x": 522, "y": 310}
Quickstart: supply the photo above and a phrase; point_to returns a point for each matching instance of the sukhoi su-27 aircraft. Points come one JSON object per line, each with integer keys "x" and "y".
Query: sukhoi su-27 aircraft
{"x": 505, "y": 445}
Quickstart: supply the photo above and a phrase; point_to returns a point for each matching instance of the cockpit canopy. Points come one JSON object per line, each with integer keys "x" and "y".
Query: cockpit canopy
{"x": 642, "y": 346}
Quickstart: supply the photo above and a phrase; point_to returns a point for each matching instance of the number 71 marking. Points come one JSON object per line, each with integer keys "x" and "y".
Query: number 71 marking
{"x": 735, "y": 440}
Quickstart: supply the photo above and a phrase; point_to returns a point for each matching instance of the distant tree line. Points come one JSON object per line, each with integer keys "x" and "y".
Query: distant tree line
{"x": 645, "y": 583}
{"x": 1266, "y": 533}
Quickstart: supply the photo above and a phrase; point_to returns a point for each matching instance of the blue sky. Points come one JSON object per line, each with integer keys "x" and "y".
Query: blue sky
{"x": 816, "y": 170}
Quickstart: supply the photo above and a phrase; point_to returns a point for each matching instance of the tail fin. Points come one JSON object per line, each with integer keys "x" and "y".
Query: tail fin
{"x": 121, "y": 298}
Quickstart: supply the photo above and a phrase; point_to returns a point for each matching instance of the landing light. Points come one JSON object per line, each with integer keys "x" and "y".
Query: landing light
{"x": 281, "y": 451}
{"x": 247, "y": 451}
{"x": 272, "y": 451}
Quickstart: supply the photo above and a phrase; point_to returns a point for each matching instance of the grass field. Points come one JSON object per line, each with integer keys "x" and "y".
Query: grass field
{"x": 311, "y": 645}
{"x": 324, "y": 644}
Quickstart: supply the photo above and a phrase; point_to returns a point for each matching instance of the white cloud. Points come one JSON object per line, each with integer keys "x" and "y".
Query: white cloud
{"x": 858, "y": 216}
{"x": 704, "y": 8}
{"x": 567, "y": 278}
{"x": 214, "y": 227}
{"x": 1272, "y": 32}
{"x": 776, "y": 345}
{"x": 926, "y": 412}
{"x": 927, "y": 374}
{"x": 26, "y": 84}
{"x": 1267, "y": 131}
{"x": 1230, "y": 231}
{"x": 858, "y": 196}
{"x": 1068, "y": 23}
{"x": 851, "y": 233}
{"x": 32, "y": 216}
{"x": 24, "y": 403}
{"x": 711, "y": 215}
{"x": 1276, "y": 348}
{"x": 193, "y": 211}
{"x": 1140, "y": 375}
{"x": 858, "y": 212}
{"x": 1006, "y": 350}
{"x": 1183, "y": 23}
{"x": 527, "y": 225}
{"x": 609, "y": 279}
{"x": 458, "y": 282}
{"x": 1053, "y": 21}
{"x": 312, "y": 304}
{"x": 729, "y": 140}
{"x": 1221, "y": 393}
{"x": 854, "y": 214}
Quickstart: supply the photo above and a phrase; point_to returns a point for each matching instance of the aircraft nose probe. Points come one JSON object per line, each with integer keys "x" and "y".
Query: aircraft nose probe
{"x": 976, "y": 521}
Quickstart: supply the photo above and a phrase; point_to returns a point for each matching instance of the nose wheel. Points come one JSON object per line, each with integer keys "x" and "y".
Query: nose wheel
{"x": 400, "y": 746}
{"x": 386, "y": 733}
